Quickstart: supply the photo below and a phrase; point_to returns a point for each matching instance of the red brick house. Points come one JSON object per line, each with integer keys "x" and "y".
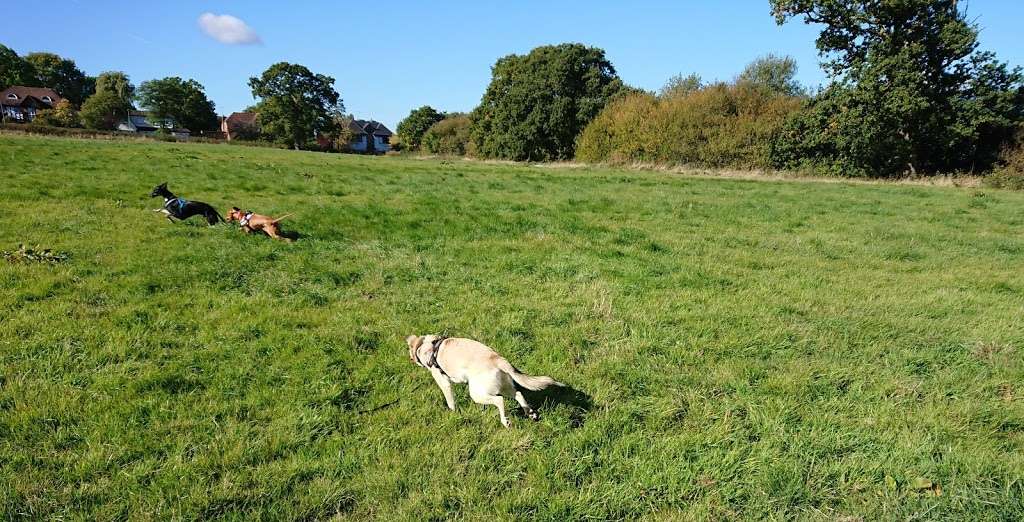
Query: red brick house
{"x": 20, "y": 104}
{"x": 242, "y": 125}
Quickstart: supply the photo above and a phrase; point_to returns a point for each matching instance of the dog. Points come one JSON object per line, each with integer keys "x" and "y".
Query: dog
{"x": 252, "y": 222}
{"x": 490, "y": 376}
{"x": 182, "y": 209}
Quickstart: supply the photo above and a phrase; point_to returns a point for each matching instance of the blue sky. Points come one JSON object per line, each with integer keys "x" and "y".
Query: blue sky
{"x": 390, "y": 57}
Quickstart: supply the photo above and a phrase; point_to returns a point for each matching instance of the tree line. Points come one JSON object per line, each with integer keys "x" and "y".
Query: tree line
{"x": 294, "y": 104}
{"x": 908, "y": 93}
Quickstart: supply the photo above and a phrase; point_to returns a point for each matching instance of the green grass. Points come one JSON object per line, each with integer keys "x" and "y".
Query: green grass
{"x": 781, "y": 350}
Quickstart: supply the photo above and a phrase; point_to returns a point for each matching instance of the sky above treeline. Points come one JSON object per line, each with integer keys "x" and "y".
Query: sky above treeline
{"x": 390, "y": 57}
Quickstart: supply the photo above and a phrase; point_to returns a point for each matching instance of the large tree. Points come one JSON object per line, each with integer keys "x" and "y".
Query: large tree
{"x": 536, "y": 104}
{"x": 104, "y": 110}
{"x": 118, "y": 83}
{"x": 182, "y": 102}
{"x": 295, "y": 104}
{"x": 15, "y": 70}
{"x": 61, "y": 75}
{"x": 777, "y": 74}
{"x": 411, "y": 129}
{"x": 910, "y": 92}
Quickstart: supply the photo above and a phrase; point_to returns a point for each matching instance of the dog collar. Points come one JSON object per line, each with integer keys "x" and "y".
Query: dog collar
{"x": 435, "y": 348}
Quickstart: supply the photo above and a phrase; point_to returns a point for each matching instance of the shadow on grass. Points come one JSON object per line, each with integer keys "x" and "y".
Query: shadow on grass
{"x": 576, "y": 401}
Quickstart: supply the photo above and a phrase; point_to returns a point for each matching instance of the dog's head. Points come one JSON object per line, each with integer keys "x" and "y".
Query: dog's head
{"x": 159, "y": 190}
{"x": 235, "y": 214}
{"x": 414, "y": 342}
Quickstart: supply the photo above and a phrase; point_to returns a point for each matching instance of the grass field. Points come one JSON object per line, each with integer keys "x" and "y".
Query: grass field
{"x": 739, "y": 349}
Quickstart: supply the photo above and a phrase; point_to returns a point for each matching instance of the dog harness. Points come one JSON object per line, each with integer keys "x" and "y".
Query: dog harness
{"x": 435, "y": 348}
{"x": 245, "y": 219}
{"x": 179, "y": 202}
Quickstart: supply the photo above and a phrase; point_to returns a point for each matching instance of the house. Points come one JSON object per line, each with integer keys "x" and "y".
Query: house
{"x": 21, "y": 104}
{"x": 240, "y": 125}
{"x": 369, "y": 136}
{"x": 139, "y": 122}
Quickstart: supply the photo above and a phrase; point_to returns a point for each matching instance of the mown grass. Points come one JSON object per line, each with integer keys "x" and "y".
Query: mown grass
{"x": 750, "y": 350}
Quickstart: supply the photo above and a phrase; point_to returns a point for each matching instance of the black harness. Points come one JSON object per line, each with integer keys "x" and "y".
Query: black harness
{"x": 435, "y": 348}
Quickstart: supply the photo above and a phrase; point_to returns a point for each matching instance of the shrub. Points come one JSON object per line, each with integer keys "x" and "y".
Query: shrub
{"x": 1009, "y": 173}
{"x": 716, "y": 126}
{"x": 448, "y": 136}
{"x": 62, "y": 115}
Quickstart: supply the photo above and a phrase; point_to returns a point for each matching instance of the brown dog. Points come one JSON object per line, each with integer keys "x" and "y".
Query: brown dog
{"x": 251, "y": 222}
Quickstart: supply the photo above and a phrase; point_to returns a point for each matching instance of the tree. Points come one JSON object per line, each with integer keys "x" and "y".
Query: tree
{"x": 104, "y": 110}
{"x": 774, "y": 73}
{"x": 411, "y": 129}
{"x": 61, "y": 115}
{"x": 183, "y": 103}
{"x": 14, "y": 70}
{"x": 537, "y": 104}
{"x": 448, "y": 136}
{"x": 295, "y": 103}
{"x": 61, "y": 75}
{"x": 910, "y": 93}
{"x": 680, "y": 85}
{"x": 118, "y": 83}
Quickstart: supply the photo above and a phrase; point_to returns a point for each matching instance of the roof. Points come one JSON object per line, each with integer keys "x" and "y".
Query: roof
{"x": 242, "y": 118}
{"x": 23, "y": 92}
{"x": 369, "y": 127}
{"x": 140, "y": 120}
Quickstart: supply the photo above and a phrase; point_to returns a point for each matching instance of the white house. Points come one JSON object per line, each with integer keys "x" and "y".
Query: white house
{"x": 370, "y": 136}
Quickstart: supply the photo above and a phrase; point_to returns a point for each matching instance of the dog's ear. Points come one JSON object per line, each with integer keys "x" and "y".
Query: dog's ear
{"x": 414, "y": 341}
{"x": 236, "y": 209}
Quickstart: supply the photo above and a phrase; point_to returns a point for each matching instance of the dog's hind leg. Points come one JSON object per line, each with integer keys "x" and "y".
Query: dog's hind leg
{"x": 483, "y": 396}
{"x": 530, "y": 412}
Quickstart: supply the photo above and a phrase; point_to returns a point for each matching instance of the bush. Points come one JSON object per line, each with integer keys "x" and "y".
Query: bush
{"x": 722, "y": 125}
{"x": 448, "y": 136}
{"x": 1009, "y": 173}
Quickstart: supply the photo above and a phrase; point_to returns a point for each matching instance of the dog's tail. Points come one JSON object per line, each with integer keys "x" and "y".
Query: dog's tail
{"x": 530, "y": 382}
{"x": 280, "y": 218}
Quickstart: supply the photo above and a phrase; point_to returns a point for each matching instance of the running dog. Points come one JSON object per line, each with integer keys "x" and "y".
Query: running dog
{"x": 251, "y": 222}
{"x": 182, "y": 209}
{"x": 491, "y": 378}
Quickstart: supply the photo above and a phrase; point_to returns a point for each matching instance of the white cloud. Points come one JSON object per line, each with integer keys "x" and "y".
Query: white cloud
{"x": 228, "y": 29}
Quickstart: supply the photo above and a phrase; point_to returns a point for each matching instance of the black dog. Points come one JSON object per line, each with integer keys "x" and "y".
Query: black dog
{"x": 180, "y": 208}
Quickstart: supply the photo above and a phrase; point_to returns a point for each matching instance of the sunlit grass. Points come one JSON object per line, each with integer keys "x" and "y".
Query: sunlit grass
{"x": 749, "y": 349}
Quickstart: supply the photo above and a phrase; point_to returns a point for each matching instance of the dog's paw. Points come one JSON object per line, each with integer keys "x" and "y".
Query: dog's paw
{"x": 534, "y": 416}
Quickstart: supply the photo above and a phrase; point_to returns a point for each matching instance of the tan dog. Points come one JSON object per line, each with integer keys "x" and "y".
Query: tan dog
{"x": 252, "y": 222}
{"x": 491, "y": 378}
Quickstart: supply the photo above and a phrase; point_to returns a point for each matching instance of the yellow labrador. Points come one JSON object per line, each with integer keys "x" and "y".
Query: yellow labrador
{"x": 491, "y": 378}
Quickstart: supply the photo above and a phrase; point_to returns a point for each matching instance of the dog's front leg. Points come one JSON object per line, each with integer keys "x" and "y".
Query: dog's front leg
{"x": 446, "y": 387}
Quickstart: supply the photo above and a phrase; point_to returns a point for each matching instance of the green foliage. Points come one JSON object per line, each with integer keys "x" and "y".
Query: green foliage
{"x": 751, "y": 350}
{"x": 680, "y": 85}
{"x": 411, "y": 129}
{"x": 118, "y": 83}
{"x": 776, "y": 74}
{"x": 15, "y": 70}
{"x": 295, "y": 103}
{"x": 179, "y": 101}
{"x": 62, "y": 115}
{"x": 537, "y": 104}
{"x": 911, "y": 95}
{"x": 450, "y": 136}
{"x": 1009, "y": 172}
{"x": 61, "y": 75}
{"x": 104, "y": 110}
{"x": 721, "y": 125}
